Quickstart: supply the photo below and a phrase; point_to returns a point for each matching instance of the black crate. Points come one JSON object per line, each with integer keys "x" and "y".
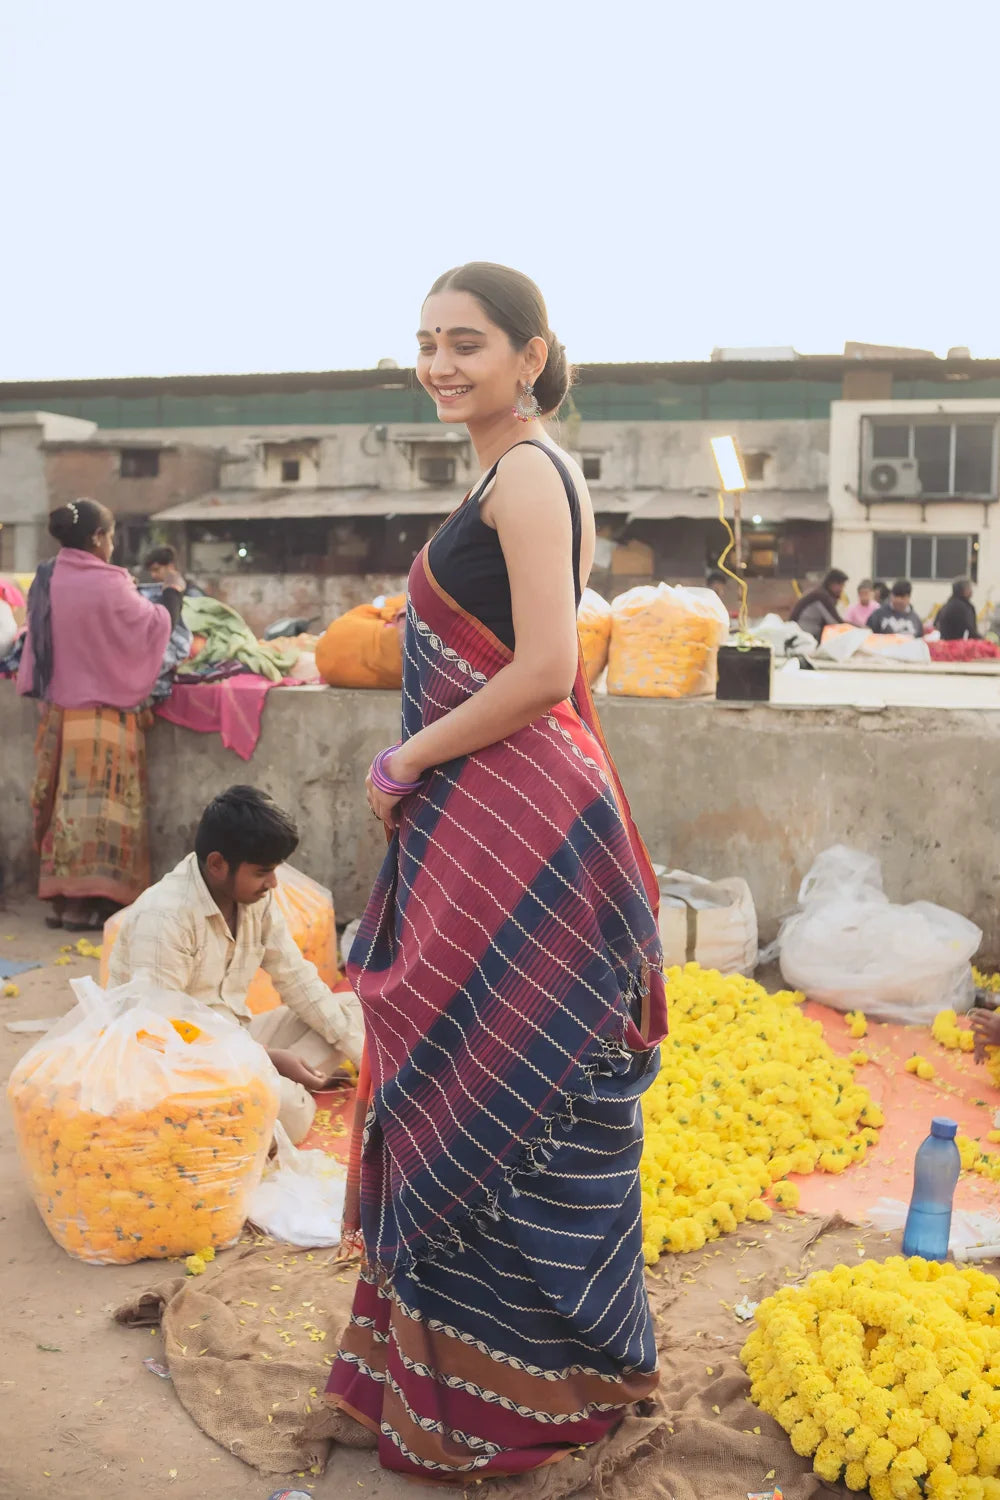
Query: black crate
{"x": 745, "y": 674}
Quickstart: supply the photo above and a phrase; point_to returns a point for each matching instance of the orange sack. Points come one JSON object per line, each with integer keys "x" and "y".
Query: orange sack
{"x": 143, "y": 1121}
{"x": 362, "y": 649}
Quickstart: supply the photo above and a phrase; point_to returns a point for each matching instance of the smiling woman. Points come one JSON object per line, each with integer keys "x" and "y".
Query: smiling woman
{"x": 508, "y": 966}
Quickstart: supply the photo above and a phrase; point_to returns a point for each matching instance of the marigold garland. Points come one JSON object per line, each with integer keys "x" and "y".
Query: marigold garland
{"x": 748, "y": 1091}
{"x": 887, "y": 1376}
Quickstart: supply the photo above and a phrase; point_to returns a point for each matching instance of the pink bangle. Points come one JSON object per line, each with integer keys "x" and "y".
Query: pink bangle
{"x": 387, "y": 784}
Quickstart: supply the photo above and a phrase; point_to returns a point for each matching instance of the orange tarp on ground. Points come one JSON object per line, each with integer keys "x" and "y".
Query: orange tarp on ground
{"x": 961, "y": 1090}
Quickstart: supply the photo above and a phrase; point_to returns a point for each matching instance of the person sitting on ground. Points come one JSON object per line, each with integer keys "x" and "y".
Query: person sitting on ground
{"x": 819, "y": 608}
{"x": 861, "y": 612}
{"x": 956, "y": 619}
{"x": 898, "y": 617}
{"x": 207, "y": 927}
{"x": 719, "y": 583}
{"x": 161, "y": 565}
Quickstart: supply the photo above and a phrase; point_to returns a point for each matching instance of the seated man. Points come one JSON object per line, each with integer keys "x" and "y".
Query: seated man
{"x": 898, "y": 617}
{"x": 161, "y": 565}
{"x": 207, "y": 927}
{"x": 821, "y": 606}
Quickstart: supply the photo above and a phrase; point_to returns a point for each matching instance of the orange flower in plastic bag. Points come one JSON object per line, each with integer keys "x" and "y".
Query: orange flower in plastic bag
{"x": 143, "y": 1133}
{"x": 594, "y": 624}
{"x": 308, "y": 909}
{"x": 362, "y": 649}
{"x": 665, "y": 642}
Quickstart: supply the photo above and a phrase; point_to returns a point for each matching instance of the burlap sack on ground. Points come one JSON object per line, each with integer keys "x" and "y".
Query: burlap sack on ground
{"x": 245, "y": 1348}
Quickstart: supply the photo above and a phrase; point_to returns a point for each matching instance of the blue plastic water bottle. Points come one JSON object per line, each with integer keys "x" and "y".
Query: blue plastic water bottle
{"x": 935, "y": 1173}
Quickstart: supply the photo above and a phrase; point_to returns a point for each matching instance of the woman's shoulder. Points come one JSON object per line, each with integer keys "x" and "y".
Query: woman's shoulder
{"x": 542, "y": 464}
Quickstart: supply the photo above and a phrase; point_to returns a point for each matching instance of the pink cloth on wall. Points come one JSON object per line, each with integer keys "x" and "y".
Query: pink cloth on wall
{"x": 232, "y": 708}
{"x": 107, "y": 640}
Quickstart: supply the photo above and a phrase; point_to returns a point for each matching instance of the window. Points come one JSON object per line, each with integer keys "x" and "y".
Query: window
{"x": 924, "y": 557}
{"x": 437, "y": 470}
{"x": 954, "y": 458}
{"x": 590, "y": 463}
{"x": 140, "y": 463}
{"x": 291, "y": 470}
{"x": 755, "y": 465}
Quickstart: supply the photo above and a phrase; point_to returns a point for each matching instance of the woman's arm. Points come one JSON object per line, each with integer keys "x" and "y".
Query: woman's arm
{"x": 529, "y": 508}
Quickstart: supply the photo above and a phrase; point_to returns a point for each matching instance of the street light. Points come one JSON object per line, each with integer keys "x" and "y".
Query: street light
{"x": 733, "y": 481}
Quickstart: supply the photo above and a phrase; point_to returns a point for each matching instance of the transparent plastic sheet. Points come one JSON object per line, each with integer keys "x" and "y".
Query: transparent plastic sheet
{"x": 300, "y": 1198}
{"x": 594, "y": 624}
{"x": 665, "y": 642}
{"x": 143, "y": 1121}
{"x": 849, "y": 947}
{"x": 308, "y": 909}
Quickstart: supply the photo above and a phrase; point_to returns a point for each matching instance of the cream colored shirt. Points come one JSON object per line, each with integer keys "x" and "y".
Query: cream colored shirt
{"x": 175, "y": 936}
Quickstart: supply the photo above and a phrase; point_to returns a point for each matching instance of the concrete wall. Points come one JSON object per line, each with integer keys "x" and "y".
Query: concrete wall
{"x": 263, "y": 598}
{"x": 756, "y": 791}
{"x": 185, "y": 472}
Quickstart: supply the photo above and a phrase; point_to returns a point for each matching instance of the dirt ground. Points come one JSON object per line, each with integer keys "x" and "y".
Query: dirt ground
{"x": 81, "y": 1416}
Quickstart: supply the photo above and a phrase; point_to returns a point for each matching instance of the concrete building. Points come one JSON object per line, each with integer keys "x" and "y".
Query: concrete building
{"x": 304, "y": 494}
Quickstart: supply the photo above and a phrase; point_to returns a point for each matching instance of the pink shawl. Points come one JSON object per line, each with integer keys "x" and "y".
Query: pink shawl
{"x": 107, "y": 640}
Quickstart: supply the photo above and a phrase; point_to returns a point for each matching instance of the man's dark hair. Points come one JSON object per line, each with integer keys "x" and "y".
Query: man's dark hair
{"x": 902, "y": 588}
{"x": 160, "y": 557}
{"x": 834, "y": 576}
{"x": 715, "y": 575}
{"x": 247, "y": 827}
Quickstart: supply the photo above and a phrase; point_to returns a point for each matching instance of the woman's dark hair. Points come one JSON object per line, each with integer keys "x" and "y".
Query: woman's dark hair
{"x": 160, "y": 557}
{"x": 881, "y": 590}
{"x": 834, "y": 576}
{"x": 513, "y": 302}
{"x": 246, "y": 827}
{"x": 74, "y": 523}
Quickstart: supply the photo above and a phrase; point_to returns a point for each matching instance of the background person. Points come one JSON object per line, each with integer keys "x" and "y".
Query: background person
{"x": 865, "y": 606}
{"x": 161, "y": 565}
{"x": 898, "y": 617}
{"x": 207, "y": 927}
{"x": 93, "y": 651}
{"x": 820, "y": 607}
{"x": 956, "y": 619}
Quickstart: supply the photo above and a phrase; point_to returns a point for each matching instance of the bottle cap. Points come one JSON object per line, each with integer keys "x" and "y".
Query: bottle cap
{"x": 943, "y": 1128}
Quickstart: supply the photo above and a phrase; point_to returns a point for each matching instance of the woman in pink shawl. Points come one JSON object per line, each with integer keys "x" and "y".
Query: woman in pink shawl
{"x": 92, "y": 654}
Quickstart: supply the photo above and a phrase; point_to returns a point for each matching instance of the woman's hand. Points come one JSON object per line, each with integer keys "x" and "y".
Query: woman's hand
{"x": 402, "y": 765}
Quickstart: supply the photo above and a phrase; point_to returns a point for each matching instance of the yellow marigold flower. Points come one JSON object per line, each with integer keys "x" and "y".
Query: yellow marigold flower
{"x": 786, "y": 1195}
{"x": 195, "y": 1265}
{"x": 11, "y": 991}
{"x": 857, "y": 1023}
{"x": 208, "y": 1254}
{"x": 879, "y": 1456}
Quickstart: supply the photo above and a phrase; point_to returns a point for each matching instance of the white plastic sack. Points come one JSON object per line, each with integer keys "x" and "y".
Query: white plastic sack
{"x": 785, "y": 637}
{"x": 709, "y": 922}
{"x": 143, "y": 1121}
{"x": 300, "y": 1199}
{"x": 852, "y": 949}
{"x": 909, "y": 648}
{"x": 841, "y": 642}
{"x": 8, "y": 629}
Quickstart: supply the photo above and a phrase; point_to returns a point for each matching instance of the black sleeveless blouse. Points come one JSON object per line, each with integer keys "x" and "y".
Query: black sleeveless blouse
{"x": 467, "y": 559}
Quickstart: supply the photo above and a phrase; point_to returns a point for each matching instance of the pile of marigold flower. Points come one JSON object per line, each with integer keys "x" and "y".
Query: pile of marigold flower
{"x": 887, "y": 1377}
{"x": 748, "y": 1091}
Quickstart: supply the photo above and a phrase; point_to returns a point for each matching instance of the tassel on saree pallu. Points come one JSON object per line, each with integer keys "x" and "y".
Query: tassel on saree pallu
{"x": 508, "y": 966}
{"x": 90, "y": 805}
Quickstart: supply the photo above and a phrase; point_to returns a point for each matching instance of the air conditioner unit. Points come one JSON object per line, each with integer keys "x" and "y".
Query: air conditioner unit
{"x": 892, "y": 479}
{"x": 437, "y": 470}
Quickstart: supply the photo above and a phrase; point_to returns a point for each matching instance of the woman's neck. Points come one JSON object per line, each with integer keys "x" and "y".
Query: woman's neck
{"x": 492, "y": 437}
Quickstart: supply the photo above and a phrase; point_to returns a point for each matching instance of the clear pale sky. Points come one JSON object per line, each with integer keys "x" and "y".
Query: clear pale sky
{"x": 217, "y": 186}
